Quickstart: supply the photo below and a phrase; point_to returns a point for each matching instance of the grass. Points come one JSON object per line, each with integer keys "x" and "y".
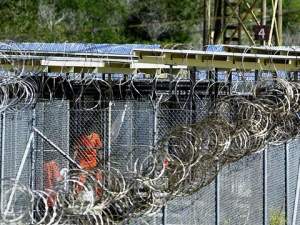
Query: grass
{"x": 277, "y": 218}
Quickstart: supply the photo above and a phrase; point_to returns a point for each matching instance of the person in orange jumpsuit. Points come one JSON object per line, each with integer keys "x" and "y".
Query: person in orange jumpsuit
{"x": 51, "y": 177}
{"x": 87, "y": 155}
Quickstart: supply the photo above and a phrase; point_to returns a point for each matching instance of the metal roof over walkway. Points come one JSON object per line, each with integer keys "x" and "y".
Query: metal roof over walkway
{"x": 152, "y": 59}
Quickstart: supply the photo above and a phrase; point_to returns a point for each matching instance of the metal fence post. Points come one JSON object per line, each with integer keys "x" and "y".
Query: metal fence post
{"x": 3, "y": 118}
{"x": 155, "y": 139}
{"x": 286, "y": 168}
{"x": 296, "y": 202}
{"x": 58, "y": 149}
{"x": 217, "y": 198}
{"x": 131, "y": 143}
{"x": 109, "y": 135}
{"x": 33, "y": 151}
{"x": 265, "y": 189}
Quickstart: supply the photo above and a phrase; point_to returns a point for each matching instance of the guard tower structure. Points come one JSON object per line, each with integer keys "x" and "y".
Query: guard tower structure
{"x": 248, "y": 22}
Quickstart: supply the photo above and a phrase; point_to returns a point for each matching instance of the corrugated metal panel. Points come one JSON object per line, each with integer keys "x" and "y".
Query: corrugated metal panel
{"x": 120, "y": 49}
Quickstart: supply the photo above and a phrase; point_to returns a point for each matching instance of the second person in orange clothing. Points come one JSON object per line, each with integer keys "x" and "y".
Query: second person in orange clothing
{"x": 87, "y": 154}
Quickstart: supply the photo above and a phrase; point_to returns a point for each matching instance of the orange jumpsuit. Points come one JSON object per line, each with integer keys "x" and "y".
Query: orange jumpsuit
{"x": 87, "y": 150}
{"x": 87, "y": 157}
{"x": 51, "y": 177}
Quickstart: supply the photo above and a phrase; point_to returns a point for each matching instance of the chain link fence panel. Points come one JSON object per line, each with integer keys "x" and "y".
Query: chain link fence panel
{"x": 15, "y": 135}
{"x": 275, "y": 190}
{"x": 129, "y": 130}
{"x": 293, "y": 163}
{"x": 52, "y": 119}
{"x": 198, "y": 208}
{"x": 241, "y": 192}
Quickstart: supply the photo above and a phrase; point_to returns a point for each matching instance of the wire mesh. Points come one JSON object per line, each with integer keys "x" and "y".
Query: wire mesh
{"x": 292, "y": 179}
{"x": 15, "y": 143}
{"x": 15, "y": 135}
{"x": 241, "y": 192}
{"x": 127, "y": 131}
{"x": 275, "y": 191}
{"x": 178, "y": 210}
{"x": 198, "y": 208}
{"x": 240, "y": 196}
{"x": 53, "y": 120}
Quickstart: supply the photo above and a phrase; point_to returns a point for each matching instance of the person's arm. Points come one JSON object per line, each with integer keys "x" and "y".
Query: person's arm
{"x": 76, "y": 151}
{"x": 98, "y": 143}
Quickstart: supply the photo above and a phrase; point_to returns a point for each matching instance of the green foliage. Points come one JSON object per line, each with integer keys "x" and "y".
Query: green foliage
{"x": 98, "y": 20}
{"x": 63, "y": 20}
{"x": 277, "y": 218}
{"x": 226, "y": 222}
{"x": 163, "y": 20}
{"x": 114, "y": 21}
{"x": 291, "y": 15}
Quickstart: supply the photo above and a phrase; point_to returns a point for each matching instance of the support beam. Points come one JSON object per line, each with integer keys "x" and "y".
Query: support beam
{"x": 263, "y": 16}
{"x": 3, "y": 144}
{"x": 19, "y": 173}
{"x": 243, "y": 25}
{"x": 221, "y": 60}
{"x": 250, "y": 8}
{"x": 153, "y": 61}
{"x": 273, "y": 21}
{"x": 207, "y": 23}
{"x": 250, "y": 11}
{"x": 65, "y": 155}
{"x": 219, "y": 21}
{"x": 279, "y": 23}
{"x": 296, "y": 202}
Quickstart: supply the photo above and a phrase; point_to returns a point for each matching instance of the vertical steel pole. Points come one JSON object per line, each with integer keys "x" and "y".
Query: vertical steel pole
{"x": 192, "y": 102}
{"x": 256, "y": 76}
{"x": 263, "y": 16}
{"x": 2, "y": 156}
{"x": 265, "y": 189}
{"x": 207, "y": 23}
{"x": 33, "y": 152}
{"x": 131, "y": 130}
{"x": 275, "y": 5}
{"x": 19, "y": 173}
{"x": 279, "y": 22}
{"x": 155, "y": 128}
{"x": 286, "y": 168}
{"x": 296, "y": 202}
{"x": 33, "y": 155}
{"x": 109, "y": 135}
{"x": 217, "y": 199}
{"x": 219, "y": 21}
{"x": 155, "y": 139}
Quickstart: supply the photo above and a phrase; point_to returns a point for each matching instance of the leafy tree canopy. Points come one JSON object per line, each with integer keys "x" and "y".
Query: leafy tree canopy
{"x": 113, "y": 21}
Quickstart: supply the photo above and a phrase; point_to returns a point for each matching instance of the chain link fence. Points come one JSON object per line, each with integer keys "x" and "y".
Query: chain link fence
{"x": 252, "y": 191}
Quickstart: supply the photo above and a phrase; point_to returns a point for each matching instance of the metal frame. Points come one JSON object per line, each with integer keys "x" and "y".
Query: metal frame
{"x": 222, "y": 60}
{"x": 230, "y": 16}
{"x": 158, "y": 60}
{"x": 3, "y": 119}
